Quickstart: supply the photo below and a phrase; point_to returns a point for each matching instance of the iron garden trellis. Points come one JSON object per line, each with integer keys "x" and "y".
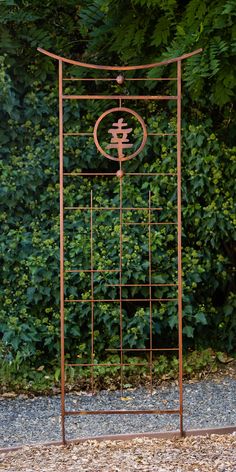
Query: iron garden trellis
{"x": 120, "y": 142}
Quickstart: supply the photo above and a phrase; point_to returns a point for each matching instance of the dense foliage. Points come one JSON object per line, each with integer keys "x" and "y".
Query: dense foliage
{"x": 106, "y": 31}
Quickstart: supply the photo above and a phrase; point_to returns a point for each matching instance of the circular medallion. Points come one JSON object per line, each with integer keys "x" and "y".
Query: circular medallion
{"x": 125, "y": 131}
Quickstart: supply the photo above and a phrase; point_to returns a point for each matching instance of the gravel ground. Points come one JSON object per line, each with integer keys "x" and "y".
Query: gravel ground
{"x": 192, "y": 454}
{"x": 208, "y": 403}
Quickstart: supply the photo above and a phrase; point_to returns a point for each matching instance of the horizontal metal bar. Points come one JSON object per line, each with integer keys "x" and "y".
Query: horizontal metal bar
{"x": 106, "y": 365}
{"x": 152, "y": 78}
{"x": 91, "y": 134}
{"x": 162, "y": 134}
{"x": 145, "y": 349}
{"x": 93, "y": 270}
{"x": 77, "y": 134}
{"x": 112, "y": 79}
{"x": 150, "y": 173}
{"x": 123, "y": 412}
{"x": 91, "y": 174}
{"x": 128, "y": 436}
{"x": 125, "y": 300}
{"x": 114, "y": 174}
{"x": 141, "y": 285}
{"x": 114, "y": 208}
{"x": 104, "y": 79}
{"x": 119, "y": 97}
{"x": 143, "y": 223}
{"x": 104, "y": 270}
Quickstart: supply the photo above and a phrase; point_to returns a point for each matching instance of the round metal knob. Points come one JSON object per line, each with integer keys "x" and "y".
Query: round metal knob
{"x": 120, "y": 173}
{"x": 120, "y": 79}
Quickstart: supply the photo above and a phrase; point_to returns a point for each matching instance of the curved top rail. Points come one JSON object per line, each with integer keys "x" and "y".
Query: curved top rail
{"x": 100, "y": 67}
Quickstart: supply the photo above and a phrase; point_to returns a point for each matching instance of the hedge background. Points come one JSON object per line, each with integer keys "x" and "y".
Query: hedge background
{"x": 114, "y": 32}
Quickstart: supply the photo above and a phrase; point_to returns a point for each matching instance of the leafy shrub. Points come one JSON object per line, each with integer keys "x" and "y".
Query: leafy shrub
{"x": 29, "y": 316}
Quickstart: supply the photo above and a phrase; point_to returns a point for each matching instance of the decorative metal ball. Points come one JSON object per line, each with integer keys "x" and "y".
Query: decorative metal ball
{"x": 120, "y": 79}
{"x": 120, "y": 173}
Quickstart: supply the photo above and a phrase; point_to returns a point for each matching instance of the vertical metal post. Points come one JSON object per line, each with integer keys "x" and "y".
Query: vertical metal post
{"x": 61, "y": 251}
{"x": 179, "y": 244}
{"x": 150, "y": 287}
{"x": 121, "y": 255}
{"x": 92, "y": 291}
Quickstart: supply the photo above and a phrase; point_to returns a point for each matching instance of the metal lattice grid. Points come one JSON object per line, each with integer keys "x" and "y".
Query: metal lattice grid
{"x": 120, "y": 143}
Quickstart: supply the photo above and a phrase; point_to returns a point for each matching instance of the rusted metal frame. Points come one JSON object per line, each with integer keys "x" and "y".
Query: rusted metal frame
{"x": 122, "y": 412}
{"x": 150, "y": 289}
{"x": 119, "y": 68}
{"x": 61, "y": 251}
{"x": 120, "y": 300}
{"x": 119, "y": 97}
{"x": 150, "y": 301}
{"x": 91, "y": 271}
{"x": 179, "y": 230}
{"x": 92, "y": 291}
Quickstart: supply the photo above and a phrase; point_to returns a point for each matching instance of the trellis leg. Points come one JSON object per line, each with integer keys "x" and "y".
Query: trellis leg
{"x": 179, "y": 244}
{"x": 92, "y": 291}
{"x": 150, "y": 288}
{"x": 121, "y": 255}
{"x": 61, "y": 252}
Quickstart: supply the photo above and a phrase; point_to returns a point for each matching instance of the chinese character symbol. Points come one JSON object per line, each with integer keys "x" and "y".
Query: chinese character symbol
{"x": 119, "y": 138}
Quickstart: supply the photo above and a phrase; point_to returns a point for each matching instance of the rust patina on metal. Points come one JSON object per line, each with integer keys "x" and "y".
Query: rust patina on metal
{"x": 121, "y": 142}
